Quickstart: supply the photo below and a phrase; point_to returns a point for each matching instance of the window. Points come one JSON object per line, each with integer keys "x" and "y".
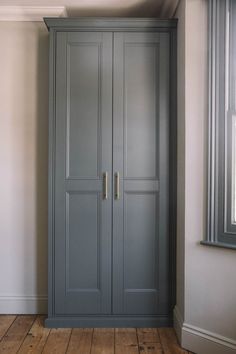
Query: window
{"x": 222, "y": 124}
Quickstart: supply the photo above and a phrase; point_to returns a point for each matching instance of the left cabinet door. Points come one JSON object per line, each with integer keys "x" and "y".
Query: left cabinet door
{"x": 83, "y": 135}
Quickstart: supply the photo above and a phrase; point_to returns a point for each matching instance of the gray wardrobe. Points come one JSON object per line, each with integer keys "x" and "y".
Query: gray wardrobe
{"x": 111, "y": 172}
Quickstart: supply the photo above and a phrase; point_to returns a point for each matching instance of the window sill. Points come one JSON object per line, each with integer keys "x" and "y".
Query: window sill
{"x": 218, "y": 244}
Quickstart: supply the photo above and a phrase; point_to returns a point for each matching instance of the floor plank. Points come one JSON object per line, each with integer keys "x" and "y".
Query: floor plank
{"x": 15, "y": 335}
{"x": 148, "y": 335}
{"x": 57, "y": 341}
{"x": 103, "y": 341}
{"x": 36, "y": 338}
{"x": 149, "y": 341}
{"x": 80, "y": 341}
{"x": 126, "y": 341}
{"x": 150, "y": 348}
{"x": 5, "y": 323}
{"x": 169, "y": 341}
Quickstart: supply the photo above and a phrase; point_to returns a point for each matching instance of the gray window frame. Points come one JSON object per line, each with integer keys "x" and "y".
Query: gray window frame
{"x": 221, "y": 231}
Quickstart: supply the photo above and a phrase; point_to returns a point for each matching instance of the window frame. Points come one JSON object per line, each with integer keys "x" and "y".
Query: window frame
{"x": 222, "y": 105}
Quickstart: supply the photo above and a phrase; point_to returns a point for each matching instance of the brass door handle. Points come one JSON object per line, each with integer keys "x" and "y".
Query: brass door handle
{"x": 117, "y": 185}
{"x": 105, "y": 185}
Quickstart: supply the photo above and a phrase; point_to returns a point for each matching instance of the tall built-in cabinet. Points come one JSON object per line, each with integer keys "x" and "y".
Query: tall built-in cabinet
{"x": 111, "y": 172}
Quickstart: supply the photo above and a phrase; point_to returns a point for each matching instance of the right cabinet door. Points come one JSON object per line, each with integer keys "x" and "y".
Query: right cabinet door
{"x": 141, "y": 157}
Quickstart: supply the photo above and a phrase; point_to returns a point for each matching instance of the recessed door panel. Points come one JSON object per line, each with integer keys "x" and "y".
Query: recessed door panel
{"x": 140, "y": 155}
{"x": 83, "y": 100}
{"x": 140, "y": 106}
{"x": 83, "y": 219}
{"x": 140, "y": 241}
{"x": 82, "y": 241}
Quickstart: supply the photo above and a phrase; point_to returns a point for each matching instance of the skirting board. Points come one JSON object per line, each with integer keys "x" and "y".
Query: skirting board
{"x": 199, "y": 340}
{"x": 23, "y": 304}
{"x": 108, "y": 321}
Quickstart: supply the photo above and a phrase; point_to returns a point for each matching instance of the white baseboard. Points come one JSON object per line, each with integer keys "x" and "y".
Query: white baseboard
{"x": 201, "y": 341}
{"x": 35, "y": 304}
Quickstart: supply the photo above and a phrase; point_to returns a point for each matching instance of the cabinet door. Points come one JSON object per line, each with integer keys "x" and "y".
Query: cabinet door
{"x": 140, "y": 155}
{"x": 83, "y": 153}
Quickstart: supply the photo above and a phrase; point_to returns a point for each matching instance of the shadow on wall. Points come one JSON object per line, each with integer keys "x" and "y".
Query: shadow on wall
{"x": 34, "y": 120}
{"x": 36, "y": 138}
{"x": 42, "y": 163}
{"x": 135, "y": 8}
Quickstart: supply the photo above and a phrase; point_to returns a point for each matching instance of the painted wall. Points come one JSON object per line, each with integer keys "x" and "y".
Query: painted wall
{"x": 23, "y": 163}
{"x": 209, "y": 285}
{"x": 129, "y": 8}
{"x": 181, "y": 157}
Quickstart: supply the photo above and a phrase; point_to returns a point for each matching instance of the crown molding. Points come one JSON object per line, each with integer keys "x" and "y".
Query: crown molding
{"x": 30, "y": 13}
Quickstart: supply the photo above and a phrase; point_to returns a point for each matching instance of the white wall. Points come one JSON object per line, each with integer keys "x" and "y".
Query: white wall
{"x": 209, "y": 311}
{"x": 181, "y": 157}
{"x": 23, "y": 163}
{"x": 129, "y": 8}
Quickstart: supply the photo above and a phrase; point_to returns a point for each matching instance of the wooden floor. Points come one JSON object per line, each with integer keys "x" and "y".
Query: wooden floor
{"x": 26, "y": 334}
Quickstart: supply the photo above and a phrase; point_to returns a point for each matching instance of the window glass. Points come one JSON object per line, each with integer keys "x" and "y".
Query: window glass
{"x": 233, "y": 179}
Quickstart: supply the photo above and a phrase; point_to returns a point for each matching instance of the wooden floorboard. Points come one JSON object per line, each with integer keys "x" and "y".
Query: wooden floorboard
{"x": 15, "y": 335}
{"x": 148, "y": 335}
{"x": 149, "y": 341}
{"x": 27, "y": 334}
{"x": 36, "y": 338}
{"x": 126, "y": 341}
{"x": 103, "y": 341}
{"x": 80, "y": 341}
{"x": 5, "y": 322}
{"x": 57, "y": 342}
{"x": 169, "y": 341}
